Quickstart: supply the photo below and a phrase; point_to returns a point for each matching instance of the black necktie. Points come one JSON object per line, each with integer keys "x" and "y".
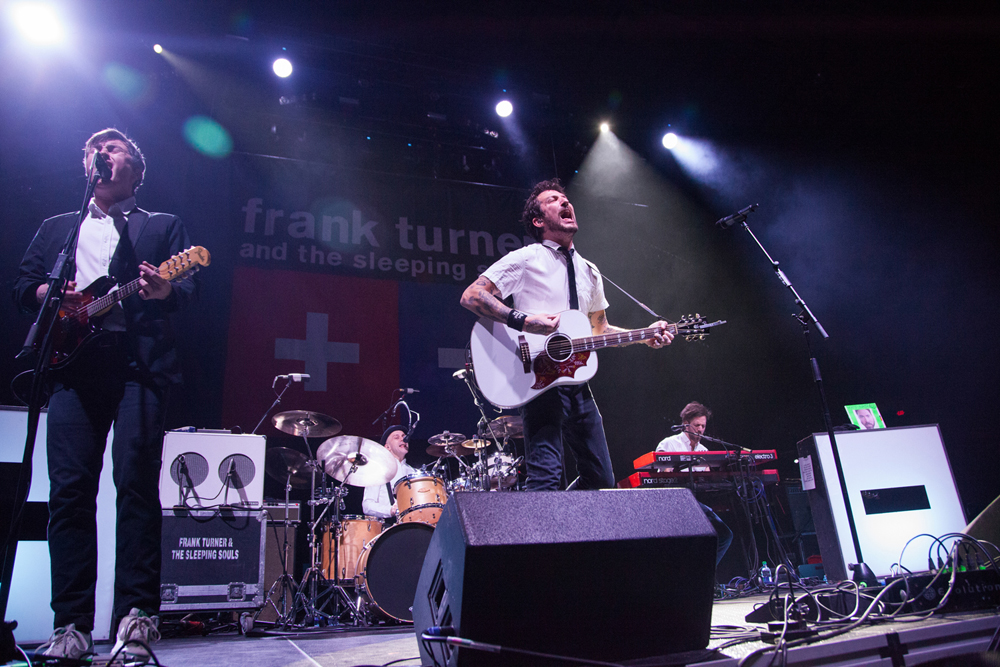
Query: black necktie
{"x": 574, "y": 302}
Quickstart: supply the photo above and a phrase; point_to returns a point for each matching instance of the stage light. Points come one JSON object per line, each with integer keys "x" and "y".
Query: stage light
{"x": 505, "y": 109}
{"x": 282, "y": 67}
{"x": 605, "y": 127}
{"x": 157, "y": 48}
{"x": 669, "y": 140}
{"x": 38, "y": 23}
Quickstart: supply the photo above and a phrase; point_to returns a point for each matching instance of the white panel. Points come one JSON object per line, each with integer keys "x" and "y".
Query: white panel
{"x": 31, "y": 588}
{"x": 891, "y": 458}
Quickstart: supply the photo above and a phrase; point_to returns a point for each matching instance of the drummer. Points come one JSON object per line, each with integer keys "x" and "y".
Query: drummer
{"x": 380, "y": 500}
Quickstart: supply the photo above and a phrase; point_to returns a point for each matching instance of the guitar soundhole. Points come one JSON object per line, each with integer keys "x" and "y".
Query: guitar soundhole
{"x": 559, "y": 347}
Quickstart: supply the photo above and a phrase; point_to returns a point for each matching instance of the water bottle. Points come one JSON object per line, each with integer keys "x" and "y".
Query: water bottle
{"x": 765, "y": 575}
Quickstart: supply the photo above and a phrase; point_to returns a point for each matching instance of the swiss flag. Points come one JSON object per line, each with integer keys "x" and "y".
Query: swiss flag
{"x": 342, "y": 331}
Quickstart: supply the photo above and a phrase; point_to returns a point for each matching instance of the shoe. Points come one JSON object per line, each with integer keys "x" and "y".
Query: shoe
{"x": 134, "y": 628}
{"x": 67, "y": 642}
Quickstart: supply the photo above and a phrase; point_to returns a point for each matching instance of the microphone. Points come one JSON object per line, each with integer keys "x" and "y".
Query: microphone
{"x": 294, "y": 377}
{"x": 678, "y": 427}
{"x": 460, "y": 375}
{"x": 735, "y": 218}
{"x": 101, "y": 166}
{"x": 407, "y": 390}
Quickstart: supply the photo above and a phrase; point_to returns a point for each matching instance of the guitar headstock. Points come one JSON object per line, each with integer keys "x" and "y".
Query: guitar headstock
{"x": 184, "y": 263}
{"x": 695, "y": 327}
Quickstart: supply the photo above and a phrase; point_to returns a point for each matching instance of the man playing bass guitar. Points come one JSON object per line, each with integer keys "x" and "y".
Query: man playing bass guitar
{"x": 121, "y": 377}
{"x": 544, "y": 279}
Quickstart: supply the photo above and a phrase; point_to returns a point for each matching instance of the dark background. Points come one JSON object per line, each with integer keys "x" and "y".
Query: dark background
{"x": 867, "y": 134}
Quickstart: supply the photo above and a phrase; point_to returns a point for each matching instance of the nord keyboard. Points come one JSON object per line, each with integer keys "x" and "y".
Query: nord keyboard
{"x": 695, "y": 480}
{"x": 661, "y": 461}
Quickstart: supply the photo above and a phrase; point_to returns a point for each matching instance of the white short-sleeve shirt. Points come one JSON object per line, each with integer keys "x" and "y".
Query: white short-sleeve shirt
{"x": 537, "y": 276}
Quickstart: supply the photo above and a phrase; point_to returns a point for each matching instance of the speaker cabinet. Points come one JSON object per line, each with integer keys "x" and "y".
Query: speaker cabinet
{"x": 209, "y": 469}
{"x": 607, "y": 575}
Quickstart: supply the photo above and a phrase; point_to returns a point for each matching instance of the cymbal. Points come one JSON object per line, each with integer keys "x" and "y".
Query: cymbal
{"x": 375, "y": 464}
{"x": 445, "y": 439}
{"x": 449, "y": 450}
{"x": 476, "y": 443}
{"x": 306, "y": 423}
{"x": 508, "y": 426}
{"x": 282, "y": 464}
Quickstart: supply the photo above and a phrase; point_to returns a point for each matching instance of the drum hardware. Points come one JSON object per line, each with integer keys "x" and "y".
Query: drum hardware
{"x": 287, "y": 464}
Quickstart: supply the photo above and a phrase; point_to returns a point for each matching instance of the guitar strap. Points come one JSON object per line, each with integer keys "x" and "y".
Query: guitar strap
{"x": 641, "y": 304}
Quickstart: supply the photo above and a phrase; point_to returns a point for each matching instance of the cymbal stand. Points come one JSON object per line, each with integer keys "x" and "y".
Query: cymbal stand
{"x": 341, "y": 596}
{"x": 311, "y": 576}
{"x": 284, "y": 584}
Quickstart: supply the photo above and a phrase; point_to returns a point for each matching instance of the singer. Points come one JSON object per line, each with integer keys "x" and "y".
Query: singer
{"x": 121, "y": 378}
{"x": 544, "y": 279}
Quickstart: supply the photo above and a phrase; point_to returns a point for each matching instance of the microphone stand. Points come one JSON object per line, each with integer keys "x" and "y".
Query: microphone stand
{"x": 274, "y": 405}
{"x": 806, "y": 318}
{"x": 62, "y": 272}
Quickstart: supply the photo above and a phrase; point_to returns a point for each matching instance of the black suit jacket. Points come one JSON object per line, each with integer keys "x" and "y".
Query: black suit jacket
{"x": 152, "y": 237}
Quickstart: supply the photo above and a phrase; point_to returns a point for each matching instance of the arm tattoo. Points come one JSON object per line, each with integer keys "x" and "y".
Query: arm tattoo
{"x": 482, "y": 298}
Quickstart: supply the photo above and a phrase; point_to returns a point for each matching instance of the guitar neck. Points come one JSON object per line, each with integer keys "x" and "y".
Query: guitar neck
{"x": 618, "y": 338}
{"x": 101, "y": 304}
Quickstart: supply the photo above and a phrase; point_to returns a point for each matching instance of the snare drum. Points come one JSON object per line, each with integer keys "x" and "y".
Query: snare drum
{"x": 355, "y": 533}
{"x": 389, "y": 568}
{"x": 420, "y": 498}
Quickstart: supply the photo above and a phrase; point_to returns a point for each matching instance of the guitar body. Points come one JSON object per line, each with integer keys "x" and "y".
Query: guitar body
{"x": 74, "y": 328}
{"x": 499, "y": 368}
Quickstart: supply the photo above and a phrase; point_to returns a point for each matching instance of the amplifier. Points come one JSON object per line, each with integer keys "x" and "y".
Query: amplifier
{"x": 212, "y": 560}
{"x": 206, "y": 469}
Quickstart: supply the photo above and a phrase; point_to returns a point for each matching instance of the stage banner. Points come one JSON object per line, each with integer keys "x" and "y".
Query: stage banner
{"x": 355, "y": 279}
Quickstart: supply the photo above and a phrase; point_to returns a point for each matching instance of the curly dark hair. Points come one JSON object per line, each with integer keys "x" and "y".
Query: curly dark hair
{"x": 533, "y": 208}
{"x": 693, "y": 410}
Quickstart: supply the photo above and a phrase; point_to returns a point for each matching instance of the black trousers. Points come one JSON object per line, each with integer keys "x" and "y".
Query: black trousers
{"x": 97, "y": 391}
{"x": 566, "y": 416}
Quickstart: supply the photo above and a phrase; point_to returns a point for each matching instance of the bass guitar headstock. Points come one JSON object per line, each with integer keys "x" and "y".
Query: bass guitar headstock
{"x": 184, "y": 263}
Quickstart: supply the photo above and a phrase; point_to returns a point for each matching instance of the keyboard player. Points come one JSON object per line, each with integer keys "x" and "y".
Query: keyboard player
{"x": 694, "y": 419}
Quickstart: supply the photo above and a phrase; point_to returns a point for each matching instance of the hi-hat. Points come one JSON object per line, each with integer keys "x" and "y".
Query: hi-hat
{"x": 306, "y": 423}
{"x": 446, "y": 439}
{"x": 375, "y": 465}
{"x": 508, "y": 426}
{"x": 284, "y": 464}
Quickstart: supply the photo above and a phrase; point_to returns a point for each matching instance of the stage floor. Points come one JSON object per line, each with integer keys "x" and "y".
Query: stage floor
{"x": 899, "y": 643}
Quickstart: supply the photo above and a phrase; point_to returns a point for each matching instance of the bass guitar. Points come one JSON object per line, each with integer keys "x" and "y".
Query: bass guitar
{"x": 513, "y": 367}
{"x": 79, "y": 324}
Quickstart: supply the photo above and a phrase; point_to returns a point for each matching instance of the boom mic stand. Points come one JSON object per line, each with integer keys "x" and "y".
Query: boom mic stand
{"x": 60, "y": 276}
{"x": 806, "y": 318}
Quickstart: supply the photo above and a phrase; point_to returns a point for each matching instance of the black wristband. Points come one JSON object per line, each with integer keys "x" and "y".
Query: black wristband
{"x": 515, "y": 319}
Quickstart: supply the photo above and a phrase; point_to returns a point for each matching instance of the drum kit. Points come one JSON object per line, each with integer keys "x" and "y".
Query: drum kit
{"x": 362, "y": 572}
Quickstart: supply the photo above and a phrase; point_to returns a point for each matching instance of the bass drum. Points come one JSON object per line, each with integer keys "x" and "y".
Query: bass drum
{"x": 389, "y": 568}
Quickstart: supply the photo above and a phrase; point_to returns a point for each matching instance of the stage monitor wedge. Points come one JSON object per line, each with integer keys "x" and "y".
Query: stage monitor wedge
{"x": 606, "y": 575}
